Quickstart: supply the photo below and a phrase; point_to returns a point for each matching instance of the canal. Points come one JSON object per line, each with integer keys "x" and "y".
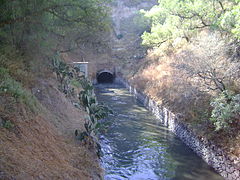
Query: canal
{"x": 137, "y": 147}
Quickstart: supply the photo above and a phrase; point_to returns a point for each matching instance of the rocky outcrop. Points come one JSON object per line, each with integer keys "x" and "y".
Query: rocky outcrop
{"x": 227, "y": 167}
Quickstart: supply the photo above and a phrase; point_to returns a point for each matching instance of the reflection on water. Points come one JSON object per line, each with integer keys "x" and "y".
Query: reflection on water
{"x": 136, "y": 146}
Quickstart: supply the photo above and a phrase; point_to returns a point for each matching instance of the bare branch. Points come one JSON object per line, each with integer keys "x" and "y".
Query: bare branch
{"x": 184, "y": 17}
{"x": 221, "y": 4}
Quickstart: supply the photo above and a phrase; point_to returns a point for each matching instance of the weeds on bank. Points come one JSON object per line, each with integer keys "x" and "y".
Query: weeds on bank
{"x": 194, "y": 81}
{"x": 9, "y": 86}
{"x": 226, "y": 111}
{"x": 70, "y": 77}
{"x": 17, "y": 65}
{"x": 8, "y": 124}
{"x": 95, "y": 112}
{"x": 14, "y": 77}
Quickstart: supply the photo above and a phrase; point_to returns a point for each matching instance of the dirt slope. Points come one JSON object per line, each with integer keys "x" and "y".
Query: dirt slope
{"x": 42, "y": 145}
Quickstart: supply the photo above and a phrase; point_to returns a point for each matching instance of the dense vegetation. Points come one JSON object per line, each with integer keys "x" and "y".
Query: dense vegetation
{"x": 198, "y": 65}
{"x": 71, "y": 79}
{"x": 46, "y": 25}
{"x": 197, "y": 71}
{"x": 182, "y": 19}
{"x": 34, "y": 34}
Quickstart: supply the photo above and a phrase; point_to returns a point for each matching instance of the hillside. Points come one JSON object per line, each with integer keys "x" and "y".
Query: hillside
{"x": 37, "y": 133}
{"x": 38, "y": 118}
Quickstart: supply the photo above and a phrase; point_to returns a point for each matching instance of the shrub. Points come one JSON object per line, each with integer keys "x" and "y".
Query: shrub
{"x": 226, "y": 109}
{"x": 17, "y": 65}
{"x": 13, "y": 88}
{"x": 8, "y": 124}
{"x": 75, "y": 83}
{"x": 95, "y": 112}
{"x": 64, "y": 75}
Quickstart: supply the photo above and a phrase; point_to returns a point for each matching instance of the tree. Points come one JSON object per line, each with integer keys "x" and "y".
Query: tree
{"x": 23, "y": 22}
{"x": 172, "y": 19}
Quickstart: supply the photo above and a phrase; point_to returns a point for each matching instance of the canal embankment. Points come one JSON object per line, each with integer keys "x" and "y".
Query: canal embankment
{"x": 136, "y": 145}
{"x": 225, "y": 165}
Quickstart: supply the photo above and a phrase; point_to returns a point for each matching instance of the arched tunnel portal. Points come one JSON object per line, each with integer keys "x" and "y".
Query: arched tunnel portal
{"x": 105, "y": 76}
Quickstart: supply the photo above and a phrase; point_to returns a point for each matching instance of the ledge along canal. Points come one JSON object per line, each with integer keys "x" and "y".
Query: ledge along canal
{"x": 137, "y": 147}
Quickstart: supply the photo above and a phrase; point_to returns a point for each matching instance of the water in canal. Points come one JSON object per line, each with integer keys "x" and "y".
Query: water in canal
{"x": 137, "y": 147}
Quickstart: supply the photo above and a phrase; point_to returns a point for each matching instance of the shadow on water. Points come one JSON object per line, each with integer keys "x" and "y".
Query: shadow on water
{"x": 136, "y": 146}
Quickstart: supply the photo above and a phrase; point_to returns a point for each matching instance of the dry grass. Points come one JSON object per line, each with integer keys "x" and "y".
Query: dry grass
{"x": 42, "y": 145}
{"x": 35, "y": 148}
{"x": 17, "y": 66}
{"x": 170, "y": 87}
{"x": 170, "y": 79}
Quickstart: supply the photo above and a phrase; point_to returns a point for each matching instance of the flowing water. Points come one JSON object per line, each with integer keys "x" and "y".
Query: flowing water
{"x": 137, "y": 147}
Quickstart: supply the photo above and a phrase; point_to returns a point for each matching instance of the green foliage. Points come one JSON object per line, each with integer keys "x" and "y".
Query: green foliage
{"x": 95, "y": 112}
{"x": 8, "y": 124}
{"x": 133, "y": 3}
{"x": 69, "y": 76}
{"x": 11, "y": 87}
{"x": 60, "y": 68}
{"x": 87, "y": 95}
{"x": 230, "y": 20}
{"x": 88, "y": 98}
{"x": 75, "y": 83}
{"x": 141, "y": 22}
{"x": 173, "y": 19}
{"x": 64, "y": 74}
{"x": 45, "y": 23}
{"x": 99, "y": 111}
{"x": 226, "y": 109}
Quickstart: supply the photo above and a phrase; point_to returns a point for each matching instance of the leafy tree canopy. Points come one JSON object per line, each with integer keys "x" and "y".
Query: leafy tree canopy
{"x": 172, "y": 19}
{"x": 26, "y": 21}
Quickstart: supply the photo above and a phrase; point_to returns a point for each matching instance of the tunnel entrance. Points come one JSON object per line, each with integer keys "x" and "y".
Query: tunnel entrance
{"x": 105, "y": 77}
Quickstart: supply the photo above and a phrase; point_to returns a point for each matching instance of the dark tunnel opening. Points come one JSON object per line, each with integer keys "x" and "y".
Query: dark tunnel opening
{"x": 105, "y": 77}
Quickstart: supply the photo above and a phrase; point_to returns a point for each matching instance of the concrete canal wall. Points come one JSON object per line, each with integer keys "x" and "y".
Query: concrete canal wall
{"x": 210, "y": 153}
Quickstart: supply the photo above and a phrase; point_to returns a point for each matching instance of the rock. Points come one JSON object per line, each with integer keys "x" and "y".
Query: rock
{"x": 224, "y": 174}
{"x": 237, "y": 174}
{"x": 235, "y": 161}
{"x": 230, "y": 170}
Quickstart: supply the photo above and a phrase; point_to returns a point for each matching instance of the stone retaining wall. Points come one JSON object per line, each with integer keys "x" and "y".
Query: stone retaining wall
{"x": 211, "y": 154}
